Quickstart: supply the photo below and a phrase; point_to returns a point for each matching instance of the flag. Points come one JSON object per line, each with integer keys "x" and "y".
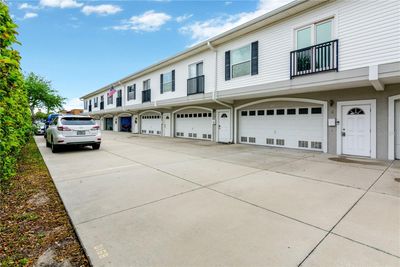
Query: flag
{"x": 111, "y": 92}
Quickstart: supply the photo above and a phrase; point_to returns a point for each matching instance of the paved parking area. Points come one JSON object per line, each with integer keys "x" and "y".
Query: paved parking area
{"x": 152, "y": 201}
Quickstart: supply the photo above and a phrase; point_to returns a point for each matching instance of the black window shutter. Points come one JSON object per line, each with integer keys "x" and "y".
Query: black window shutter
{"x": 128, "y": 90}
{"x": 134, "y": 91}
{"x": 161, "y": 83}
{"x": 254, "y": 58}
{"x": 227, "y": 65}
{"x": 173, "y": 80}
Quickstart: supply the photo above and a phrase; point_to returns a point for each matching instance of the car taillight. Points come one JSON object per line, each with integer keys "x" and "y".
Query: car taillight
{"x": 96, "y": 127}
{"x": 63, "y": 128}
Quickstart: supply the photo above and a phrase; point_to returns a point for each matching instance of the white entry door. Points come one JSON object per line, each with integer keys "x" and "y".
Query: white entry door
{"x": 356, "y": 130}
{"x": 397, "y": 129}
{"x": 167, "y": 124}
{"x": 135, "y": 124}
{"x": 224, "y": 126}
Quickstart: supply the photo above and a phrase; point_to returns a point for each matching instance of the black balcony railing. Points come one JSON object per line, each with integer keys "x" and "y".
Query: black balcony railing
{"x": 119, "y": 101}
{"x": 90, "y": 108}
{"x": 195, "y": 85}
{"x": 101, "y": 105}
{"x": 314, "y": 59}
{"x": 146, "y": 95}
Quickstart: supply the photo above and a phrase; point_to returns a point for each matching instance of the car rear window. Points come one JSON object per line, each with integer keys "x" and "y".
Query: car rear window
{"x": 77, "y": 121}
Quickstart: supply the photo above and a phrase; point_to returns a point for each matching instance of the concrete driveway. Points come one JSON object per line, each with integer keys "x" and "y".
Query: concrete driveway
{"x": 152, "y": 201}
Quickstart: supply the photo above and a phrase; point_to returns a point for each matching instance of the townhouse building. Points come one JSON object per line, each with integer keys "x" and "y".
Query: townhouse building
{"x": 314, "y": 75}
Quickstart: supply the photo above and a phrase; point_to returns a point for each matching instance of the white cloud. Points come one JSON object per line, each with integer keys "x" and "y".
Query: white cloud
{"x": 101, "y": 9}
{"x": 72, "y": 103}
{"x": 60, "y": 3}
{"x": 30, "y": 15}
{"x": 227, "y": 3}
{"x": 183, "y": 18}
{"x": 202, "y": 30}
{"x": 149, "y": 21}
{"x": 27, "y": 6}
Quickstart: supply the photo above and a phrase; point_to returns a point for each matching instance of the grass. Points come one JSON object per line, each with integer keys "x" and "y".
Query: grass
{"x": 33, "y": 218}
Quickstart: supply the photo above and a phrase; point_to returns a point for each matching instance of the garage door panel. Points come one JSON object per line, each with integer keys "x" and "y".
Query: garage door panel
{"x": 195, "y": 124}
{"x": 151, "y": 124}
{"x": 288, "y": 130}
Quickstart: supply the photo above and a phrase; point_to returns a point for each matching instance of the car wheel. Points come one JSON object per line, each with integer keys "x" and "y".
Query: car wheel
{"x": 96, "y": 146}
{"x": 54, "y": 148}
{"x": 47, "y": 143}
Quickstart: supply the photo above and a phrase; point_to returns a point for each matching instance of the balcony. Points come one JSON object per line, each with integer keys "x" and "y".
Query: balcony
{"x": 195, "y": 85}
{"x": 90, "y": 108}
{"x": 101, "y": 105}
{"x": 314, "y": 59}
{"x": 146, "y": 95}
{"x": 119, "y": 101}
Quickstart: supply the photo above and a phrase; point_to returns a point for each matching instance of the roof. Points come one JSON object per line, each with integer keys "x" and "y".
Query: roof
{"x": 268, "y": 18}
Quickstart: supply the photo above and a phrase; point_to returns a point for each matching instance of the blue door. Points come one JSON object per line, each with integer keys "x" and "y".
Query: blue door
{"x": 126, "y": 124}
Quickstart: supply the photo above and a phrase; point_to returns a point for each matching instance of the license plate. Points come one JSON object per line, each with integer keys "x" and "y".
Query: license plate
{"x": 80, "y": 132}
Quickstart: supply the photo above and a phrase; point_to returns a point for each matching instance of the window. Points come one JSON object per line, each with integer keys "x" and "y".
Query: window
{"x": 244, "y": 113}
{"x": 260, "y": 112}
{"x": 85, "y": 104}
{"x": 280, "y": 112}
{"x": 95, "y": 101}
{"x": 195, "y": 70}
{"x": 110, "y": 100}
{"x": 270, "y": 112}
{"x": 316, "y": 110}
{"x": 241, "y": 61}
{"x": 356, "y": 111}
{"x": 252, "y": 113}
{"x": 146, "y": 84}
{"x": 131, "y": 92}
{"x": 102, "y": 98}
{"x": 303, "y": 111}
{"x": 291, "y": 111}
{"x": 313, "y": 34}
{"x": 167, "y": 82}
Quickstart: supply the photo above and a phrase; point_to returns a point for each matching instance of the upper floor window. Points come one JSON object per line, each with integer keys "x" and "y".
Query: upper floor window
{"x": 146, "y": 84}
{"x": 119, "y": 93}
{"x": 102, "y": 98}
{"x": 313, "y": 34}
{"x": 131, "y": 92}
{"x": 110, "y": 99}
{"x": 195, "y": 70}
{"x": 95, "y": 101}
{"x": 167, "y": 82}
{"x": 85, "y": 106}
{"x": 240, "y": 60}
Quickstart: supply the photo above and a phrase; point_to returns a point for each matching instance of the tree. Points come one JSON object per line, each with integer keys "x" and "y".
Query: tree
{"x": 15, "y": 123}
{"x": 41, "y": 94}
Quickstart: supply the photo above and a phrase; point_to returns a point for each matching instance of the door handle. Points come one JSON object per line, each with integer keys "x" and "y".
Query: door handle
{"x": 343, "y": 132}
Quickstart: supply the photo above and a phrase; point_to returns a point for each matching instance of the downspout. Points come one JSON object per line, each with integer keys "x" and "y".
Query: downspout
{"x": 214, "y": 94}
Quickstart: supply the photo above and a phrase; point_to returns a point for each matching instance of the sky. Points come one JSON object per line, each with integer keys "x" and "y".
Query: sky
{"x": 81, "y": 46}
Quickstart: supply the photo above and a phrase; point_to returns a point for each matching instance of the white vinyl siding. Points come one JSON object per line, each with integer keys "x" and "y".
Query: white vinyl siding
{"x": 368, "y": 34}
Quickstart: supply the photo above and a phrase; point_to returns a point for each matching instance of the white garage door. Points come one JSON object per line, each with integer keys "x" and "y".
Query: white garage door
{"x": 194, "y": 124}
{"x": 151, "y": 123}
{"x": 292, "y": 127}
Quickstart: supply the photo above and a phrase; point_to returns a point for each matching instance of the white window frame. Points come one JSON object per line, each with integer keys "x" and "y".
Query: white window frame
{"x": 164, "y": 83}
{"x": 232, "y": 77}
{"x": 316, "y": 21}
{"x": 147, "y": 81}
{"x": 133, "y": 88}
{"x": 195, "y": 64}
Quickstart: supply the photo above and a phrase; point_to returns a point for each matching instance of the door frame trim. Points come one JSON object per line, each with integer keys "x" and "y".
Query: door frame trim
{"x": 391, "y": 126}
{"x": 217, "y": 125}
{"x": 324, "y": 105}
{"x": 339, "y": 115}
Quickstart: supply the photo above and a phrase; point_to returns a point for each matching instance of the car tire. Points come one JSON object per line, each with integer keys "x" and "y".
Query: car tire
{"x": 96, "y": 146}
{"x": 54, "y": 148}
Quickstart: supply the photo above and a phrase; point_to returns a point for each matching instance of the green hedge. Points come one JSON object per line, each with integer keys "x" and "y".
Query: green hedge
{"x": 15, "y": 124}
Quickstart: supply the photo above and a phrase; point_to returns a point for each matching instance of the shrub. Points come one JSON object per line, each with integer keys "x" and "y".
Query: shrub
{"x": 15, "y": 123}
